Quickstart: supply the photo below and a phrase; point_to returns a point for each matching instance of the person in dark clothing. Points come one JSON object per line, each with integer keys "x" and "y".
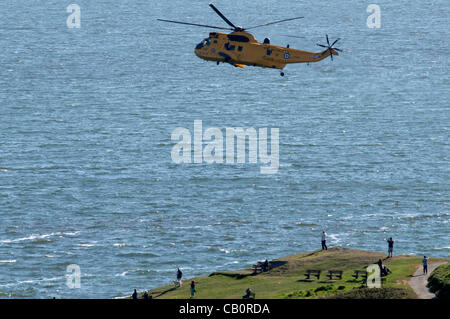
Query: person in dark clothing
{"x": 145, "y": 296}
{"x": 324, "y": 241}
{"x": 247, "y": 295}
{"x": 134, "y": 295}
{"x": 265, "y": 266}
{"x": 380, "y": 264}
{"x": 390, "y": 247}
{"x": 384, "y": 271}
{"x": 193, "y": 289}
{"x": 425, "y": 264}
{"x": 179, "y": 275}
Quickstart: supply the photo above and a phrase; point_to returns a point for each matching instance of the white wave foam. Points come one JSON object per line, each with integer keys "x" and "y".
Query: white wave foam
{"x": 30, "y": 238}
{"x": 334, "y": 238}
{"x": 120, "y": 245}
{"x": 122, "y": 274}
{"x": 33, "y": 237}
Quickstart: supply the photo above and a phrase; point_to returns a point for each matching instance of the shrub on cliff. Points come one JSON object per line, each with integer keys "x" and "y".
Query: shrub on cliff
{"x": 439, "y": 281}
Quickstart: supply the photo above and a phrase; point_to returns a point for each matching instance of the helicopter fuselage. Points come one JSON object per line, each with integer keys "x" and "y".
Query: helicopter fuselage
{"x": 240, "y": 48}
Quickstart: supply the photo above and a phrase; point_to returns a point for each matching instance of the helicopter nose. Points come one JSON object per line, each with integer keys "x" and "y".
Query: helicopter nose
{"x": 197, "y": 51}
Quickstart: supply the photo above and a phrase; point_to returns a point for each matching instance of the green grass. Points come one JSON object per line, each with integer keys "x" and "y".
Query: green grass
{"x": 288, "y": 280}
{"x": 439, "y": 281}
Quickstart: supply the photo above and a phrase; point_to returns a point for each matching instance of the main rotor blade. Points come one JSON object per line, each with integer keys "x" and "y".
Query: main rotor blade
{"x": 263, "y": 25}
{"x": 222, "y": 16}
{"x": 293, "y": 36}
{"x": 198, "y": 25}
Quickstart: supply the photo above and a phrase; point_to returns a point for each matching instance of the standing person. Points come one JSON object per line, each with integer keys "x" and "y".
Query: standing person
{"x": 380, "y": 264}
{"x": 383, "y": 272}
{"x": 265, "y": 266}
{"x": 324, "y": 240}
{"x": 390, "y": 247}
{"x": 192, "y": 289}
{"x": 179, "y": 275}
{"x": 425, "y": 264}
{"x": 134, "y": 295}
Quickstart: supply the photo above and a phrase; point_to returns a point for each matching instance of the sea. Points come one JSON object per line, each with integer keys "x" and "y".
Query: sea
{"x": 92, "y": 203}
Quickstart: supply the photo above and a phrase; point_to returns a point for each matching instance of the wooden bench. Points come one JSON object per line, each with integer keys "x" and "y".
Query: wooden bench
{"x": 337, "y": 273}
{"x": 258, "y": 267}
{"x": 315, "y": 273}
{"x": 362, "y": 273}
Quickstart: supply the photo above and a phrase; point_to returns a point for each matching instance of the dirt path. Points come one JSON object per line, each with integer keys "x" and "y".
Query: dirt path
{"x": 419, "y": 281}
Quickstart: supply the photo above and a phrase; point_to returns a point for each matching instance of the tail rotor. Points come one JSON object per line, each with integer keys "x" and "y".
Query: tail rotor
{"x": 330, "y": 47}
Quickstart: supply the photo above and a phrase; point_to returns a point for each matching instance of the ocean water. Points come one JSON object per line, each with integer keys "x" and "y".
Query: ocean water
{"x": 86, "y": 175}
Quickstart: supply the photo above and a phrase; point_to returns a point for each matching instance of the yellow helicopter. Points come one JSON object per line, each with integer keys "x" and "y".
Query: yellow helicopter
{"x": 240, "y": 48}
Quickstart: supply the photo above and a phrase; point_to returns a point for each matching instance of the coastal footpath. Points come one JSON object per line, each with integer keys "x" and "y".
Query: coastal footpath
{"x": 286, "y": 279}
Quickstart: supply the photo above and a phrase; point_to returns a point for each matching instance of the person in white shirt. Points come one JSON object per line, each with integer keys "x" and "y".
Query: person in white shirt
{"x": 324, "y": 241}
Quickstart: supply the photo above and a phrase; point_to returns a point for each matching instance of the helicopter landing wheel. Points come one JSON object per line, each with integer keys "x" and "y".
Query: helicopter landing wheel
{"x": 282, "y": 73}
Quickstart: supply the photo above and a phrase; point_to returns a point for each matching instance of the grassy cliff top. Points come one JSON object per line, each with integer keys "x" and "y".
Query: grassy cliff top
{"x": 287, "y": 279}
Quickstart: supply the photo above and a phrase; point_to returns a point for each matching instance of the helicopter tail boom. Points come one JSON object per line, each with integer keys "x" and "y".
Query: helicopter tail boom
{"x": 299, "y": 56}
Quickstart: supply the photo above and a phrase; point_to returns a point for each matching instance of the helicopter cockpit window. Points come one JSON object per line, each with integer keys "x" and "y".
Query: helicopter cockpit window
{"x": 238, "y": 38}
{"x": 203, "y": 43}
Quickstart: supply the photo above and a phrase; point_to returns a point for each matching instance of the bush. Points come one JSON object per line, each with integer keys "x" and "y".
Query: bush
{"x": 439, "y": 281}
{"x": 375, "y": 293}
{"x": 324, "y": 288}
